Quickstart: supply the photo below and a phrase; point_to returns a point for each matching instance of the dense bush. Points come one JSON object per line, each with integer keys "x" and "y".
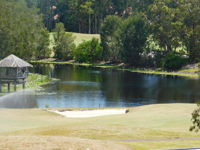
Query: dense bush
{"x": 173, "y": 62}
{"x": 110, "y": 38}
{"x": 64, "y": 42}
{"x": 88, "y": 51}
{"x": 133, "y": 37}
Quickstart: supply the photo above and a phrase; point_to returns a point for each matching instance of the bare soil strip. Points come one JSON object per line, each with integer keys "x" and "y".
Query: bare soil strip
{"x": 155, "y": 140}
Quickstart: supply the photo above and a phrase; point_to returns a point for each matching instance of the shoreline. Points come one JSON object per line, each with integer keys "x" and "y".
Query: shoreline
{"x": 34, "y": 80}
{"x": 189, "y": 73}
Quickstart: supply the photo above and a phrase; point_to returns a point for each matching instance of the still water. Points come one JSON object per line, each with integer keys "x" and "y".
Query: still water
{"x": 91, "y": 87}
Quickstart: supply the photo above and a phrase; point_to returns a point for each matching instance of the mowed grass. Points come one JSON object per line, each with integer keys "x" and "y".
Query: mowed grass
{"x": 167, "y": 121}
{"x": 78, "y": 38}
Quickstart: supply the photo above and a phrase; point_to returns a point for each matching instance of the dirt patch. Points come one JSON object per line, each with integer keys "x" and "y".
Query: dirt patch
{"x": 55, "y": 143}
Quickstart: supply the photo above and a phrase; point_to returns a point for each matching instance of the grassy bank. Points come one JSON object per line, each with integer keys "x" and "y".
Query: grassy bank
{"x": 154, "y": 122}
{"x": 33, "y": 81}
{"x": 191, "y": 73}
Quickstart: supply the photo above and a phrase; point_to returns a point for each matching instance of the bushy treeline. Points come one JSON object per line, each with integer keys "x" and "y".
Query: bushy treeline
{"x": 142, "y": 33}
{"x": 166, "y": 34}
{"x": 21, "y": 31}
{"x": 85, "y": 16}
{"x": 145, "y": 33}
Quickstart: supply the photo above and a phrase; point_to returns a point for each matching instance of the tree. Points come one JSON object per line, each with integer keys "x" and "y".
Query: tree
{"x": 176, "y": 24}
{"x": 109, "y": 38}
{"x": 86, "y": 8}
{"x": 21, "y": 31}
{"x": 48, "y": 9}
{"x": 64, "y": 42}
{"x": 191, "y": 29}
{"x": 164, "y": 17}
{"x": 133, "y": 37}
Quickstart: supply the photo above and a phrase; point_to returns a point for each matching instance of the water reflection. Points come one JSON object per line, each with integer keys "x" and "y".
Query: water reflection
{"x": 20, "y": 99}
{"x": 89, "y": 87}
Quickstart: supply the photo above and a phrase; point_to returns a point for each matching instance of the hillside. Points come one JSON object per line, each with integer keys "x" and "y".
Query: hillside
{"x": 79, "y": 38}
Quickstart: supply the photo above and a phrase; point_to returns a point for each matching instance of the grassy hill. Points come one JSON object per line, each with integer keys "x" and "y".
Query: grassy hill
{"x": 157, "y": 123}
{"x": 79, "y": 38}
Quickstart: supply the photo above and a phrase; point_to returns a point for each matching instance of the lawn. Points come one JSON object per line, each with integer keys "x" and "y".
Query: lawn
{"x": 79, "y": 38}
{"x": 157, "y": 123}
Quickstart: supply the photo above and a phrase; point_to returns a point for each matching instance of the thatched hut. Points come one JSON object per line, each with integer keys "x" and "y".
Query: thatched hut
{"x": 13, "y": 70}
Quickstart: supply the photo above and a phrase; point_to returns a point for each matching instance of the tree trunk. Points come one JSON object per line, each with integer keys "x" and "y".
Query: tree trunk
{"x": 89, "y": 24}
{"x": 95, "y": 26}
{"x": 79, "y": 26}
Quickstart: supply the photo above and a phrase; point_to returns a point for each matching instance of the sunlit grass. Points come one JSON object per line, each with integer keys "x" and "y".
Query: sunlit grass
{"x": 167, "y": 121}
{"x": 192, "y": 70}
{"x": 79, "y": 38}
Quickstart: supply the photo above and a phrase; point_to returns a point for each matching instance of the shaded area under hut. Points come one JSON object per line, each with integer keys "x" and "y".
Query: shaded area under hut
{"x": 13, "y": 70}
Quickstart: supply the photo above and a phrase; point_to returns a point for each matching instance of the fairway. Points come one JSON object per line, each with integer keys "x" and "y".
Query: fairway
{"x": 145, "y": 127}
{"x": 80, "y": 37}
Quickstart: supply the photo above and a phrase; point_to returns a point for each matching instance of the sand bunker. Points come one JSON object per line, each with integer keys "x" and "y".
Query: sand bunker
{"x": 90, "y": 113}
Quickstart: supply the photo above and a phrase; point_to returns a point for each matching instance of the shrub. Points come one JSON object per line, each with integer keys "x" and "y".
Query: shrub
{"x": 173, "y": 62}
{"x": 88, "y": 51}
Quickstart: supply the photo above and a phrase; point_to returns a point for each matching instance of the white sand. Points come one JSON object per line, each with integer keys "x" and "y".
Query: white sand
{"x": 90, "y": 113}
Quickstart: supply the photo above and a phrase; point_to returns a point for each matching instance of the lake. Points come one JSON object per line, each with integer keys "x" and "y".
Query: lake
{"x": 88, "y": 87}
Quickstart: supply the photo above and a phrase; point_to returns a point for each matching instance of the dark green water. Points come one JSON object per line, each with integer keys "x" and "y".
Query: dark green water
{"x": 90, "y": 87}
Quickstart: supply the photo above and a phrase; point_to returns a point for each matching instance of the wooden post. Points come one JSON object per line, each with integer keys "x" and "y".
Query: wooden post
{"x": 9, "y": 87}
{"x": 15, "y": 86}
{"x": 0, "y": 86}
{"x": 23, "y": 84}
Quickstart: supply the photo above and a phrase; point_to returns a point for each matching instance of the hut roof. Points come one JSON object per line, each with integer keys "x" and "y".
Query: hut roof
{"x": 13, "y": 61}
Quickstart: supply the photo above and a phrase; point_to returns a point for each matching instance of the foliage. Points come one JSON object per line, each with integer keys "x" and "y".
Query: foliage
{"x": 86, "y": 16}
{"x": 173, "y": 61}
{"x": 110, "y": 38}
{"x": 176, "y": 24}
{"x": 35, "y": 80}
{"x": 166, "y": 24}
{"x": 64, "y": 42}
{"x": 196, "y": 119}
{"x": 174, "y": 27}
{"x": 21, "y": 31}
{"x": 88, "y": 51}
{"x": 133, "y": 37}
{"x": 190, "y": 11}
